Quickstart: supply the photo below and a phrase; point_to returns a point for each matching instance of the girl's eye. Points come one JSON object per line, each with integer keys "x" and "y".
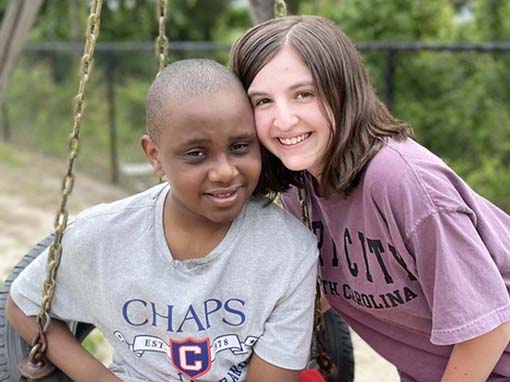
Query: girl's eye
{"x": 261, "y": 101}
{"x": 304, "y": 94}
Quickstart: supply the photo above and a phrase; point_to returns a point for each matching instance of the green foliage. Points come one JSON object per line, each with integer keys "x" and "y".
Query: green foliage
{"x": 492, "y": 20}
{"x": 393, "y": 20}
{"x": 96, "y": 344}
{"x": 458, "y": 103}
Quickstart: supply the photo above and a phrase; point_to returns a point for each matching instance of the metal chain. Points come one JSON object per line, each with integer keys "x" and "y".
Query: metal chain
{"x": 39, "y": 344}
{"x": 162, "y": 40}
{"x": 326, "y": 365}
{"x": 280, "y": 8}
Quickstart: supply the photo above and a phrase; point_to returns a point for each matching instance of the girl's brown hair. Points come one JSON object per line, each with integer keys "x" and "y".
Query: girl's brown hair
{"x": 360, "y": 121}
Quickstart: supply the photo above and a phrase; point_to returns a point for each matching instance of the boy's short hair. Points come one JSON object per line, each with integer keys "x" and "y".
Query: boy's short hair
{"x": 184, "y": 79}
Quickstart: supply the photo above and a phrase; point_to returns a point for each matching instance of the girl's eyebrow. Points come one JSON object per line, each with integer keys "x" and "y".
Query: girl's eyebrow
{"x": 299, "y": 84}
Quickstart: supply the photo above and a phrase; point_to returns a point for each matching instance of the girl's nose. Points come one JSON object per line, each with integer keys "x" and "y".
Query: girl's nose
{"x": 285, "y": 117}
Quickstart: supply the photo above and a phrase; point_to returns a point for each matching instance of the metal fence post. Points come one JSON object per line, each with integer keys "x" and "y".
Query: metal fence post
{"x": 110, "y": 95}
{"x": 389, "y": 75}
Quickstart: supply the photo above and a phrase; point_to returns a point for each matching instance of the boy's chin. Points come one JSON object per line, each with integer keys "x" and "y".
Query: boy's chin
{"x": 224, "y": 217}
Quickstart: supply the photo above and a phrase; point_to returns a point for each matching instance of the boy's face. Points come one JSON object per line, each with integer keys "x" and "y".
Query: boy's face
{"x": 209, "y": 152}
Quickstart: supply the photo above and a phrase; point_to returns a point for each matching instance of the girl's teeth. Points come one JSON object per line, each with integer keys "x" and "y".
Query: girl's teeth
{"x": 293, "y": 141}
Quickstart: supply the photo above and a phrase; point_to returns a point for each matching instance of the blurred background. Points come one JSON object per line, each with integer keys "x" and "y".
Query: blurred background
{"x": 442, "y": 65}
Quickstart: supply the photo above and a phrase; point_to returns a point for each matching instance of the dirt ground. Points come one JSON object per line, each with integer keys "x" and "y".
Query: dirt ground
{"x": 29, "y": 196}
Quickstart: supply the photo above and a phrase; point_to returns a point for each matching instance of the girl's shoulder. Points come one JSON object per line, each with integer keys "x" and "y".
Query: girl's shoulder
{"x": 405, "y": 160}
{"x": 405, "y": 171}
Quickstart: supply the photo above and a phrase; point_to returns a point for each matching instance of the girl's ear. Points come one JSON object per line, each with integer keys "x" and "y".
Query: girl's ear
{"x": 151, "y": 150}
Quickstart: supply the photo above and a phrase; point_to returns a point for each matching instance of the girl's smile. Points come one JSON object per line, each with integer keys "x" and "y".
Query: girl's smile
{"x": 289, "y": 115}
{"x": 294, "y": 140}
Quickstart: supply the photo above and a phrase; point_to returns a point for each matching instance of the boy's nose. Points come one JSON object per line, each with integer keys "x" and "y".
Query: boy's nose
{"x": 285, "y": 117}
{"x": 223, "y": 171}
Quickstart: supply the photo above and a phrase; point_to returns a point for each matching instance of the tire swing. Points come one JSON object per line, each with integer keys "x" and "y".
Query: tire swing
{"x": 334, "y": 355}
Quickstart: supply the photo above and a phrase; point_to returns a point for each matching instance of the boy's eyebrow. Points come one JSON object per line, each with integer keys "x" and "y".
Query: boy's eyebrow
{"x": 243, "y": 136}
{"x": 196, "y": 141}
{"x": 256, "y": 92}
{"x": 204, "y": 141}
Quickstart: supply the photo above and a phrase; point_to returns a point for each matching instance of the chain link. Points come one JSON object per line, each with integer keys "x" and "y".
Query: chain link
{"x": 55, "y": 252}
{"x": 326, "y": 365}
{"x": 162, "y": 40}
{"x": 35, "y": 359}
{"x": 280, "y": 8}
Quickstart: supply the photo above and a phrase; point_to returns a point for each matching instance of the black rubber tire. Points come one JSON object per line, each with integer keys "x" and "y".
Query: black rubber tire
{"x": 339, "y": 345}
{"x": 12, "y": 347}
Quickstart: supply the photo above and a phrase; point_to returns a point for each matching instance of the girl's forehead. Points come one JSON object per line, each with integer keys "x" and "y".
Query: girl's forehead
{"x": 285, "y": 70}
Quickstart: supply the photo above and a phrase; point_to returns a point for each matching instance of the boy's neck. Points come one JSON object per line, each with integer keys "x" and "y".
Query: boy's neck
{"x": 191, "y": 240}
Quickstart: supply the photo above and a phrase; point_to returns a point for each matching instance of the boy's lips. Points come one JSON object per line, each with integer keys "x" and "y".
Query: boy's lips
{"x": 292, "y": 141}
{"x": 224, "y": 196}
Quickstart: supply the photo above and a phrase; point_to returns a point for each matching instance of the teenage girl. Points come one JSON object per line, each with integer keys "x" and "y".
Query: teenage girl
{"x": 411, "y": 257}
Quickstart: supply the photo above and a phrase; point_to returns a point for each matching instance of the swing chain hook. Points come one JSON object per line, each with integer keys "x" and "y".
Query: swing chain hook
{"x": 35, "y": 366}
{"x": 162, "y": 40}
{"x": 280, "y": 8}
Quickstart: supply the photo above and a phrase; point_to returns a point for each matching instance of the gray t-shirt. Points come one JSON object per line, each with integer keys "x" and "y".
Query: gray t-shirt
{"x": 171, "y": 320}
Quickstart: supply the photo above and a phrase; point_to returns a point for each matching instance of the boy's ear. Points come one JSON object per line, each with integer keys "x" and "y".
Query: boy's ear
{"x": 151, "y": 151}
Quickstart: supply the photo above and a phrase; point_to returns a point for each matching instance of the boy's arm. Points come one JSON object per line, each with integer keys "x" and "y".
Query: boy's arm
{"x": 64, "y": 350}
{"x": 474, "y": 360}
{"x": 262, "y": 371}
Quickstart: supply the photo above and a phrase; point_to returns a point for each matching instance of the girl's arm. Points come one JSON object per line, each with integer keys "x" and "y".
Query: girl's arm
{"x": 64, "y": 350}
{"x": 474, "y": 360}
{"x": 262, "y": 371}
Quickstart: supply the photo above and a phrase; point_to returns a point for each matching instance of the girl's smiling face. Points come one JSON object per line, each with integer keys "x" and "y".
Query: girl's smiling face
{"x": 290, "y": 119}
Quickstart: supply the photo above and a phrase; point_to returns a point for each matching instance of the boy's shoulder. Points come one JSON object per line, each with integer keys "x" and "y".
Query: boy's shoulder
{"x": 273, "y": 220}
{"x": 274, "y": 239}
{"x": 122, "y": 210}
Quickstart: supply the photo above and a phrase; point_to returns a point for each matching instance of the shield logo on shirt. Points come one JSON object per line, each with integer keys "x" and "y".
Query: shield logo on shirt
{"x": 191, "y": 357}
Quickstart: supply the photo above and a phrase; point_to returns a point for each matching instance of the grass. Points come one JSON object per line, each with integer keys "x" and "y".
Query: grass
{"x": 8, "y": 157}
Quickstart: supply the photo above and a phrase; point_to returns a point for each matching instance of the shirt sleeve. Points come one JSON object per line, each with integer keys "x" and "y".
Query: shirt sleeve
{"x": 460, "y": 279}
{"x": 287, "y": 334}
{"x": 71, "y": 301}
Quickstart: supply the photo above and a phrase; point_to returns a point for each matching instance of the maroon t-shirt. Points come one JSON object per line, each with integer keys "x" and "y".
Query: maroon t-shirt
{"x": 413, "y": 259}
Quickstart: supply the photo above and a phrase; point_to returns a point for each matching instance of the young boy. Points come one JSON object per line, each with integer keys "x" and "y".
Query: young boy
{"x": 196, "y": 279}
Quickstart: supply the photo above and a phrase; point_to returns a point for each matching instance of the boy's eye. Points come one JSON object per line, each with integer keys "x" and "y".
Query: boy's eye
{"x": 195, "y": 155}
{"x": 240, "y": 147}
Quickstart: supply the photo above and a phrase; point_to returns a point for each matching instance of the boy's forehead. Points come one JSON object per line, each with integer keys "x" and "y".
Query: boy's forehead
{"x": 227, "y": 113}
{"x": 204, "y": 134}
{"x": 185, "y": 102}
